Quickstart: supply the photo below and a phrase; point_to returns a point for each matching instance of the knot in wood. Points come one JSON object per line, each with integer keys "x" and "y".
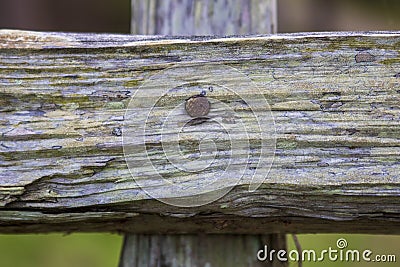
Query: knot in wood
{"x": 197, "y": 106}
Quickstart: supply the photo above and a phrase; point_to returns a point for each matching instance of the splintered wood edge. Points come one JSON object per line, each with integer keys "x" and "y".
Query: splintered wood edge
{"x": 40, "y": 40}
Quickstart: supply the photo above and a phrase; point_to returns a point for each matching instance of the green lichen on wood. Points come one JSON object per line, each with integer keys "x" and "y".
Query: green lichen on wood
{"x": 391, "y": 61}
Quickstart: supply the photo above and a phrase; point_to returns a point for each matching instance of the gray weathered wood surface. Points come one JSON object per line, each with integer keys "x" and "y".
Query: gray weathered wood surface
{"x": 334, "y": 98}
{"x": 205, "y": 17}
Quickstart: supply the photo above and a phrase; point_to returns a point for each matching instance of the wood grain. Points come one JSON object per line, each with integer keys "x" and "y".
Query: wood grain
{"x": 334, "y": 98}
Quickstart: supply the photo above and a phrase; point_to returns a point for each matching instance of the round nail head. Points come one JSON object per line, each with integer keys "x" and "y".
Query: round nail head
{"x": 197, "y": 106}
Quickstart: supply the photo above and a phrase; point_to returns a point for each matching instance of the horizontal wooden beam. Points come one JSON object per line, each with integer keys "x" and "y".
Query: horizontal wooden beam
{"x": 70, "y": 104}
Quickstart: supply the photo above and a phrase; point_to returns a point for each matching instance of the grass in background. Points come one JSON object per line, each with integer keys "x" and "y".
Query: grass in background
{"x": 378, "y": 244}
{"x": 77, "y": 250}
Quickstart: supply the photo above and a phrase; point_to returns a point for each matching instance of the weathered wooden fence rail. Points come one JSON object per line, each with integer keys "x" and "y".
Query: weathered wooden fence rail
{"x": 334, "y": 98}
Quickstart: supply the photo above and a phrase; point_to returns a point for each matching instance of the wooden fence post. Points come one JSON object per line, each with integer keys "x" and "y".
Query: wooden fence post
{"x": 65, "y": 96}
{"x": 205, "y": 17}
{"x": 208, "y": 17}
{"x": 66, "y": 110}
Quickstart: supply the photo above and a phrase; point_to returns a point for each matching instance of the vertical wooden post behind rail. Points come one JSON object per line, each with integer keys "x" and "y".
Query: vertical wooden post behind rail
{"x": 199, "y": 250}
{"x": 207, "y": 17}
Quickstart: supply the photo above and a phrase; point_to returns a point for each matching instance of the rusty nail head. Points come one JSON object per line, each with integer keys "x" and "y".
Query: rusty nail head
{"x": 197, "y": 106}
{"x": 364, "y": 57}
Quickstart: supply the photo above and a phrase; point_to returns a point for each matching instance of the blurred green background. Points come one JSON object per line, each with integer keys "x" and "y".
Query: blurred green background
{"x": 58, "y": 250}
{"x": 378, "y": 244}
{"x": 102, "y": 250}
